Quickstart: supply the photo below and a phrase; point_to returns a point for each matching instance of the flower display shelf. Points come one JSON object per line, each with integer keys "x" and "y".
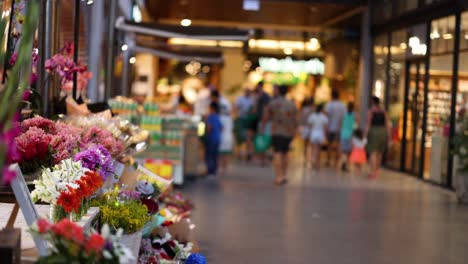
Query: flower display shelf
{"x": 27, "y": 241}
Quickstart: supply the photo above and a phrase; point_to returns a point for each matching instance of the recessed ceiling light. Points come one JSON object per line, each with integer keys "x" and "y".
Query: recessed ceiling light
{"x": 90, "y": 2}
{"x": 124, "y": 47}
{"x": 185, "y": 22}
{"x": 132, "y": 60}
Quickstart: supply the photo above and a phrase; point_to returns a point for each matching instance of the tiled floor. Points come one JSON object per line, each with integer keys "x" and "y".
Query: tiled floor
{"x": 326, "y": 217}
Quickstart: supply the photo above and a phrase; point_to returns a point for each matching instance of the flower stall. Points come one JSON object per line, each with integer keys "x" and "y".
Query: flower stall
{"x": 84, "y": 196}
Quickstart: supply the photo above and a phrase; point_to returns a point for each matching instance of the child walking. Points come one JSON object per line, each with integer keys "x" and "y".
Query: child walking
{"x": 358, "y": 154}
{"x": 318, "y": 123}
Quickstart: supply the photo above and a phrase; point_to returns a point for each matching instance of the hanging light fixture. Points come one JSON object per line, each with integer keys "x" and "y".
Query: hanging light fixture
{"x": 185, "y": 22}
{"x": 447, "y": 35}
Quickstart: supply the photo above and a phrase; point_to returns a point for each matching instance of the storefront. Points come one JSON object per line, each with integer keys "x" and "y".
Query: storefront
{"x": 420, "y": 72}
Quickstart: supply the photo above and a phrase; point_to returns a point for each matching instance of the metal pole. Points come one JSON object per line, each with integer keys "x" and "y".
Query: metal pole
{"x": 365, "y": 66}
{"x": 76, "y": 36}
{"x": 453, "y": 114}
{"x": 95, "y": 40}
{"x": 125, "y": 72}
{"x": 110, "y": 50}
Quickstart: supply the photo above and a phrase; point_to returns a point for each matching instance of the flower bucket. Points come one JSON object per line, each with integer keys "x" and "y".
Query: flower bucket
{"x": 132, "y": 242}
{"x": 57, "y": 213}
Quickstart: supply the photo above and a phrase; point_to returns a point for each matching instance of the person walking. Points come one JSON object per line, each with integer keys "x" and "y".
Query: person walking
{"x": 306, "y": 109}
{"x": 243, "y": 105}
{"x": 318, "y": 124}
{"x": 346, "y": 134}
{"x": 377, "y": 133}
{"x": 214, "y": 129}
{"x": 260, "y": 104}
{"x": 335, "y": 111}
{"x": 358, "y": 154}
{"x": 283, "y": 116}
{"x": 227, "y": 140}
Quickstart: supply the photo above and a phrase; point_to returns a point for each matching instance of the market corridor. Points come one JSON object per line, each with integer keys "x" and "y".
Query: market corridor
{"x": 326, "y": 218}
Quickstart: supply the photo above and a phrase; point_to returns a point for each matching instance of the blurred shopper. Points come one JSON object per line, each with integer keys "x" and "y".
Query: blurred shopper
{"x": 346, "y": 134}
{"x": 306, "y": 109}
{"x": 335, "y": 111}
{"x": 223, "y": 102}
{"x": 262, "y": 100}
{"x": 227, "y": 140}
{"x": 358, "y": 156}
{"x": 214, "y": 129}
{"x": 243, "y": 106}
{"x": 318, "y": 124}
{"x": 244, "y": 103}
{"x": 283, "y": 115}
{"x": 377, "y": 133}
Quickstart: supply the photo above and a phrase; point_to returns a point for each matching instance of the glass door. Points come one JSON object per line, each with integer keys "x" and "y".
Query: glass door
{"x": 414, "y": 117}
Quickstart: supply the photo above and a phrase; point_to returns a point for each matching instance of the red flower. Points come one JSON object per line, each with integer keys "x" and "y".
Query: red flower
{"x": 165, "y": 256}
{"x": 43, "y": 225}
{"x": 70, "y": 200}
{"x": 68, "y": 230}
{"x": 95, "y": 243}
{"x": 152, "y": 206}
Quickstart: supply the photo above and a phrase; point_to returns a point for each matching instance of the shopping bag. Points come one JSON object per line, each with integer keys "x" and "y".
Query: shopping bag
{"x": 262, "y": 143}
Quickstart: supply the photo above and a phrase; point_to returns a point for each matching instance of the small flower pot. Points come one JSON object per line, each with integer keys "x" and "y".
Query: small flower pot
{"x": 133, "y": 241}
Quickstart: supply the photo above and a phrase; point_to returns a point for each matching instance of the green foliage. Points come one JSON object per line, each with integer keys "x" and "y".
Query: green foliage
{"x": 460, "y": 148}
{"x": 130, "y": 215}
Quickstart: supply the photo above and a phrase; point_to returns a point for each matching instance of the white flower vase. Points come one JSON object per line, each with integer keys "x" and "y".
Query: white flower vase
{"x": 132, "y": 242}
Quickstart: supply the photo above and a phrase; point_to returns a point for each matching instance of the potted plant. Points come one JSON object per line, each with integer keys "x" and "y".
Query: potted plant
{"x": 127, "y": 214}
{"x": 461, "y": 152}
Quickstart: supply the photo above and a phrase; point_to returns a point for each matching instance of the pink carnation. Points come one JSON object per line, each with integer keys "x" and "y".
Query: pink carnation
{"x": 40, "y": 122}
{"x": 33, "y": 144}
{"x": 97, "y": 136}
{"x": 65, "y": 142}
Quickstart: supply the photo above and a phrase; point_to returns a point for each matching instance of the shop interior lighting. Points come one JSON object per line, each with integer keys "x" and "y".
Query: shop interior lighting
{"x": 132, "y": 60}
{"x": 447, "y": 36}
{"x": 403, "y": 45}
{"x": 124, "y": 47}
{"x": 90, "y": 2}
{"x": 185, "y": 22}
{"x": 466, "y": 36}
{"x": 136, "y": 14}
{"x": 435, "y": 34}
{"x": 288, "y": 51}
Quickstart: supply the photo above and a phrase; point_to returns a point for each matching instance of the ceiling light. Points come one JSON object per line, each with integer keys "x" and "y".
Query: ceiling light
{"x": 414, "y": 41}
{"x": 288, "y": 51}
{"x": 435, "y": 34}
{"x": 90, "y": 2}
{"x": 132, "y": 60}
{"x": 447, "y": 36}
{"x": 314, "y": 40}
{"x": 124, "y": 47}
{"x": 466, "y": 36}
{"x": 403, "y": 45}
{"x": 185, "y": 22}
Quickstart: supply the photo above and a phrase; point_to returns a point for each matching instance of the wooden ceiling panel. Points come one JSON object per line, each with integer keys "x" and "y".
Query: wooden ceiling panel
{"x": 288, "y": 13}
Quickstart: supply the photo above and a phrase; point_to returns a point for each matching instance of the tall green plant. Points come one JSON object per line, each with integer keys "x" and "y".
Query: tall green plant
{"x": 18, "y": 78}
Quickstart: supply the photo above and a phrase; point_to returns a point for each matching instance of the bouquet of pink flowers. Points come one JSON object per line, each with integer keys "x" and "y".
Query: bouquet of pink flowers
{"x": 97, "y": 136}
{"x": 44, "y": 143}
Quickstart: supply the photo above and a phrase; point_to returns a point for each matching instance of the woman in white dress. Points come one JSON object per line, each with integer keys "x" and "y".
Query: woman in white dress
{"x": 318, "y": 123}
